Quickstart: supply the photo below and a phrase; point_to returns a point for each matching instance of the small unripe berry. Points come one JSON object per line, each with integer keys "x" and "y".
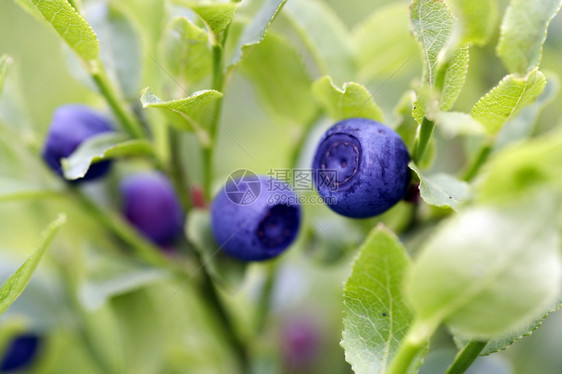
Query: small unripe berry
{"x": 71, "y": 125}
{"x": 252, "y": 221}
{"x": 20, "y": 352}
{"x": 361, "y": 168}
{"x": 151, "y": 205}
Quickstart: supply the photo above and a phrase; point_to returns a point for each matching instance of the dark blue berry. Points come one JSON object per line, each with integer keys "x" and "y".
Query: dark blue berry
{"x": 71, "y": 125}
{"x": 151, "y": 205}
{"x": 255, "y": 218}
{"x": 20, "y": 352}
{"x": 361, "y": 168}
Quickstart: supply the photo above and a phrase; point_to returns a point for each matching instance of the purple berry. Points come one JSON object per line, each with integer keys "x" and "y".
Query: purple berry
{"x": 70, "y": 126}
{"x": 151, "y": 205}
{"x": 361, "y": 168}
{"x": 300, "y": 342}
{"x": 255, "y": 218}
{"x": 20, "y": 352}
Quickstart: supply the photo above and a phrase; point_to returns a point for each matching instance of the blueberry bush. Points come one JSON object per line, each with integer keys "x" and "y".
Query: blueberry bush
{"x": 280, "y": 186}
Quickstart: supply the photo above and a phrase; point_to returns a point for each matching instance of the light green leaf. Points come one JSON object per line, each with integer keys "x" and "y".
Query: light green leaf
{"x": 120, "y": 46}
{"x": 442, "y": 190}
{"x": 375, "y": 315}
{"x": 521, "y": 127}
{"x": 488, "y": 270}
{"x": 394, "y": 47}
{"x": 478, "y": 19}
{"x": 406, "y": 126}
{"x": 515, "y": 172}
{"x": 453, "y": 124}
{"x": 16, "y": 189}
{"x": 523, "y": 33}
{"x": 15, "y": 285}
{"x": 217, "y": 16}
{"x": 5, "y": 62}
{"x": 193, "y": 113}
{"x": 226, "y": 270}
{"x": 281, "y": 79}
{"x": 453, "y": 78}
{"x": 502, "y": 343}
{"x": 432, "y": 23}
{"x": 70, "y": 25}
{"x": 505, "y": 100}
{"x": 352, "y": 101}
{"x": 186, "y": 50}
{"x": 102, "y": 147}
{"x": 325, "y": 36}
{"x": 255, "y": 31}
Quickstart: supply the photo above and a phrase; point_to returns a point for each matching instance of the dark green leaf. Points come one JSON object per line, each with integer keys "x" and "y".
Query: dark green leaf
{"x": 442, "y": 190}
{"x": 15, "y": 285}
{"x": 281, "y": 79}
{"x": 255, "y": 31}
{"x": 523, "y": 33}
{"x": 186, "y": 50}
{"x": 225, "y": 269}
{"x": 325, "y": 35}
{"x": 352, "y": 101}
{"x": 102, "y": 147}
{"x": 375, "y": 315}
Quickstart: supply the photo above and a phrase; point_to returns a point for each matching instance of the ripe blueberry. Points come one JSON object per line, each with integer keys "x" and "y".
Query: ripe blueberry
{"x": 20, "y": 352}
{"x": 151, "y": 205}
{"x": 255, "y": 218}
{"x": 361, "y": 168}
{"x": 70, "y": 126}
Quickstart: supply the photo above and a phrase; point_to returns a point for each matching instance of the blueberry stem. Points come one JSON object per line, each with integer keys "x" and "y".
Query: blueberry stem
{"x": 423, "y": 138}
{"x": 413, "y": 343}
{"x": 302, "y": 138}
{"x": 266, "y": 297}
{"x": 466, "y": 357}
{"x": 129, "y": 122}
{"x": 479, "y": 160}
{"x": 179, "y": 177}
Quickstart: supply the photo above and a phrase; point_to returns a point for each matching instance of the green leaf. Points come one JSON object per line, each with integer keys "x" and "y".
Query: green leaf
{"x": 102, "y": 147}
{"x": 523, "y": 33}
{"x": 502, "y": 343}
{"x": 254, "y": 32}
{"x": 5, "y": 62}
{"x": 515, "y": 172}
{"x": 394, "y": 44}
{"x": 70, "y": 25}
{"x": 375, "y": 315}
{"x": 281, "y": 79}
{"x": 325, "y": 35}
{"x": 453, "y": 78}
{"x": 120, "y": 46}
{"x": 489, "y": 270}
{"x": 432, "y": 23}
{"x": 226, "y": 270}
{"x": 521, "y": 127}
{"x": 15, "y": 285}
{"x": 16, "y": 189}
{"x": 186, "y": 50}
{"x": 193, "y": 113}
{"x": 442, "y": 190}
{"x": 352, "y": 101}
{"x": 216, "y": 16}
{"x": 478, "y": 19}
{"x": 505, "y": 100}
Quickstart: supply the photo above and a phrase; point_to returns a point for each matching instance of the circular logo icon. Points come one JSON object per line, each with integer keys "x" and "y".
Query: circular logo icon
{"x": 242, "y": 187}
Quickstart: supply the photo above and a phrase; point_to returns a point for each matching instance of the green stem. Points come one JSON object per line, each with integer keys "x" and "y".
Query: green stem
{"x": 177, "y": 173}
{"x": 303, "y": 137}
{"x": 412, "y": 344}
{"x": 145, "y": 250}
{"x": 466, "y": 357}
{"x": 132, "y": 126}
{"x": 479, "y": 160}
{"x": 422, "y": 140}
{"x": 264, "y": 303}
